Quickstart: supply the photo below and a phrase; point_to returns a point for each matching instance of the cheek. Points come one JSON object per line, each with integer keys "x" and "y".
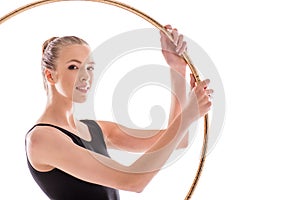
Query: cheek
{"x": 67, "y": 82}
{"x": 71, "y": 79}
{"x": 91, "y": 77}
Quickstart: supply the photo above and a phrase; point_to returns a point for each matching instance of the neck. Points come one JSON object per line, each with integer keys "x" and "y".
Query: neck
{"x": 59, "y": 110}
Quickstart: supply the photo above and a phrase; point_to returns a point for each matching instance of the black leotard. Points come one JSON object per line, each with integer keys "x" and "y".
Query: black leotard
{"x": 59, "y": 185}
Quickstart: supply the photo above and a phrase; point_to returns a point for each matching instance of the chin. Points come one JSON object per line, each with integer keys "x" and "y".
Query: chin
{"x": 79, "y": 100}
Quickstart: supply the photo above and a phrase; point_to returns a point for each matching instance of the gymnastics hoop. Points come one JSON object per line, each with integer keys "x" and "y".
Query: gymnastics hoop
{"x": 158, "y": 26}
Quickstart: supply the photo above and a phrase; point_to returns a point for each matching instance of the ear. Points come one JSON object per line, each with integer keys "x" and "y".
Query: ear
{"x": 50, "y": 76}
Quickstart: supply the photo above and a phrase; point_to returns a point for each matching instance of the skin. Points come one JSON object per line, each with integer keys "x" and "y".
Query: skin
{"x": 48, "y": 148}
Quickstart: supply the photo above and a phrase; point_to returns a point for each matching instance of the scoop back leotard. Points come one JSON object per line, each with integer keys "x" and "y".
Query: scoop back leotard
{"x": 59, "y": 185}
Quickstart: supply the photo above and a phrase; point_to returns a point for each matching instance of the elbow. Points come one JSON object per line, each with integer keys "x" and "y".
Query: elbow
{"x": 141, "y": 187}
{"x": 184, "y": 142}
{"x": 139, "y": 190}
{"x": 133, "y": 188}
{"x": 136, "y": 184}
{"x": 136, "y": 187}
{"x": 136, "y": 180}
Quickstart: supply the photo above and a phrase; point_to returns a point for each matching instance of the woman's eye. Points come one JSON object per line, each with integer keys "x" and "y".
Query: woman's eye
{"x": 72, "y": 67}
{"x": 90, "y": 68}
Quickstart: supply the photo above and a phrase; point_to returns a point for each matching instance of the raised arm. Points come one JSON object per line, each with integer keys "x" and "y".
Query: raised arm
{"x": 136, "y": 140}
{"x": 172, "y": 52}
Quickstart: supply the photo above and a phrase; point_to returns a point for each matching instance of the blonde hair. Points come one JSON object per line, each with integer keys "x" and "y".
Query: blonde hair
{"x": 51, "y": 50}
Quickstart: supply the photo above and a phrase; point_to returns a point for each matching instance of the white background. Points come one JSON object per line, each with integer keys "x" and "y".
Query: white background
{"x": 254, "y": 44}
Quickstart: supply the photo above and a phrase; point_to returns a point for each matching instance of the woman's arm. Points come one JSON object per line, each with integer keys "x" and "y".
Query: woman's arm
{"x": 123, "y": 138}
{"x": 135, "y": 140}
{"x": 48, "y": 147}
{"x": 172, "y": 52}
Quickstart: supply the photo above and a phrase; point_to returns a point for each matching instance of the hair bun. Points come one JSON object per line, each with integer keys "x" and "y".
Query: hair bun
{"x": 47, "y": 42}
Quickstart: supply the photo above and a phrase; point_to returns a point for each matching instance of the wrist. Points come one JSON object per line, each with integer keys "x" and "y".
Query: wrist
{"x": 187, "y": 117}
{"x": 178, "y": 76}
{"x": 180, "y": 70}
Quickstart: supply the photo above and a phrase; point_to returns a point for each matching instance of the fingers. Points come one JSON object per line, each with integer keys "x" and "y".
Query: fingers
{"x": 175, "y": 36}
{"x": 200, "y": 98}
{"x": 202, "y": 88}
{"x": 209, "y": 92}
{"x": 178, "y": 39}
{"x": 181, "y": 46}
{"x": 207, "y": 107}
{"x": 204, "y": 84}
{"x": 168, "y": 26}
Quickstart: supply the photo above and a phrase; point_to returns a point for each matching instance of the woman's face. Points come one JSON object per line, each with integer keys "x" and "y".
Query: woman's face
{"x": 74, "y": 72}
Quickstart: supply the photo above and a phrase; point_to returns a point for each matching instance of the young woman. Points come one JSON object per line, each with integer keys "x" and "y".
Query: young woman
{"x": 68, "y": 158}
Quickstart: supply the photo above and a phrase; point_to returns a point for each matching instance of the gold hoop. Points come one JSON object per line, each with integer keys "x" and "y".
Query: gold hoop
{"x": 160, "y": 27}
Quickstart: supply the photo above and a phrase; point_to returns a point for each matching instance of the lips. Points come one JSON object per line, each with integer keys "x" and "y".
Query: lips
{"x": 83, "y": 88}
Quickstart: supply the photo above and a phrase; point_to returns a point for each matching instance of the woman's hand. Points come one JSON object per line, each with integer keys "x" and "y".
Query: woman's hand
{"x": 198, "y": 103}
{"x": 172, "y": 51}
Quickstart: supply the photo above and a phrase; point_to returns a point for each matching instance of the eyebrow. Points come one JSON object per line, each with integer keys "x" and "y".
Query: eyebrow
{"x": 79, "y": 62}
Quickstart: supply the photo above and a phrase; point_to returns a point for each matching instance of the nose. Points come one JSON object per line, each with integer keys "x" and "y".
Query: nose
{"x": 83, "y": 79}
{"x": 84, "y": 76}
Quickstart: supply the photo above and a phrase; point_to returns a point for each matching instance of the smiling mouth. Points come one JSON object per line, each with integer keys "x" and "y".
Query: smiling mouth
{"x": 83, "y": 89}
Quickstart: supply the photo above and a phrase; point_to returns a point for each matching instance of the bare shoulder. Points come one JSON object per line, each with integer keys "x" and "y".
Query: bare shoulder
{"x": 43, "y": 136}
{"x": 41, "y": 143}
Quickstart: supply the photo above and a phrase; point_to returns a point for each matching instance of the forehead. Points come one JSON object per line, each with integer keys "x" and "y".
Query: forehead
{"x": 78, "y": 52}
